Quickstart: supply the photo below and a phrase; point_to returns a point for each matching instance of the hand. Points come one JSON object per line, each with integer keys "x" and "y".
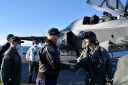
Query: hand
{"x": 109, "y": 81}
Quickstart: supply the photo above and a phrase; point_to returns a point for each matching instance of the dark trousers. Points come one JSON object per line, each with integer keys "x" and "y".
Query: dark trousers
{"x": 33, "y": 66}
{"x": 95, "y": 80}
{"x": 50, "y": 82}
{"x": 10, "y": 82}
{"x": 46, "y": 82}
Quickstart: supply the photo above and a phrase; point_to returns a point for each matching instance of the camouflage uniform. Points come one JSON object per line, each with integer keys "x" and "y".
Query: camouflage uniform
{"x": 96, "y": 62}
{"x": 5, "y": 47}
{"x": 11, "y": 68}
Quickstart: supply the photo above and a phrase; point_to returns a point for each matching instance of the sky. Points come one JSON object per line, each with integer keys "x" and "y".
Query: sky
{"x": 35, "y": 17}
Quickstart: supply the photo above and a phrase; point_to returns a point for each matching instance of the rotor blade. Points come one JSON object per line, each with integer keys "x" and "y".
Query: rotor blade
{"x": 39, "y": 38}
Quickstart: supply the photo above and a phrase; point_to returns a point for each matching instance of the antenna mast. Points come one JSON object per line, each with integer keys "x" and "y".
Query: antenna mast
{"x": 117, "y": 4}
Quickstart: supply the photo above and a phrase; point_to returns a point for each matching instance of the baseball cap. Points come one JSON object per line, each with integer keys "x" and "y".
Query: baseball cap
{"x": 53, "y": 31}
{"x": 17, "y": 39}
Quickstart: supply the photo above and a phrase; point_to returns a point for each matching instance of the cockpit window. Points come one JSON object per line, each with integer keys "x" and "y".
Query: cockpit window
{"x": 91, "y": 20}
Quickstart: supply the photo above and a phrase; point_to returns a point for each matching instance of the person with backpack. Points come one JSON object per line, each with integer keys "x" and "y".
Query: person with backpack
{"x": 50, "y": 64}
{"x": 32, "y": 57}
{"x": 95, "y": 60}
{"x": 5, "y": 47}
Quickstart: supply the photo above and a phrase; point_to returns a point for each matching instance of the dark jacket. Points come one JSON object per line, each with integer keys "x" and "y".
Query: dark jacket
{"x": 11, "y": 67}
{"x": 97, "y": 63}
{"x": 3, "y": 49}
{"x": 50, "y": 61}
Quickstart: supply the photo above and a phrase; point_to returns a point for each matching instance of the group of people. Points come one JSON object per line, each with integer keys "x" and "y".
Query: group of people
{"x": 94, "y": 59}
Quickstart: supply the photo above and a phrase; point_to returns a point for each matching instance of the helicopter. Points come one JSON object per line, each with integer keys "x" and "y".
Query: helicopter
{"x": 112, "y": 34}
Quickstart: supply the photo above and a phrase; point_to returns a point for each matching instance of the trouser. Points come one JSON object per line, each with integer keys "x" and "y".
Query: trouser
{"x": 95, "y": 83}
{"x": 40, "y": 81}
{"x": 95, "y": 80}
{"x": 33, "y": 65}
{"x": 10, "y": 82}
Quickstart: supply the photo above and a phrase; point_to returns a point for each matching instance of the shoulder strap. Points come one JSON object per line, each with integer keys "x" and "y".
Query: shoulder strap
{"x": 101, "y": 55}
{"x": 47, "y": 55}
{"x": 49, "y": 58}
{"x": 41, "y": 53}
{"x": 100, "y": 51}
{"x": 41, "y": 50}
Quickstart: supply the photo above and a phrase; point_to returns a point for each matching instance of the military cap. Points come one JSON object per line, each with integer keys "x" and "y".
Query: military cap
{"x": 53, "y": 31}
{"x": 17, "y": 39}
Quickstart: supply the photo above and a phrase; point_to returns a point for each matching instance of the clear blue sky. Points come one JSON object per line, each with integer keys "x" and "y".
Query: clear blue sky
{"x": 35, "y": 17}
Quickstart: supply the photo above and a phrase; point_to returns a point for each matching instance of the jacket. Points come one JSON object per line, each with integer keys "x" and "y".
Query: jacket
{"x": 50, "y": 61}
{"x": 4, "y": 48}
{"x": 11, "y": 66}
{"x": 33, "y": 54}
{"x": 96, "y": 62}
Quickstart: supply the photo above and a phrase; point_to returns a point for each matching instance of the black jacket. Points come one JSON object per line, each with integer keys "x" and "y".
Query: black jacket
{"x": 4, "y": 48}
{"x": 11, "y": 67}
{"x": 50, "y": 61}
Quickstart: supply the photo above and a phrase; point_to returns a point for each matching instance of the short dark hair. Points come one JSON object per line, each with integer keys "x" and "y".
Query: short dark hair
{"x": 9, "y": 36}
{"x": 35, "y": 41}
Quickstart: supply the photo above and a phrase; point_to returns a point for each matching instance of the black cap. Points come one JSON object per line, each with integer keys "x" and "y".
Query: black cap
{"x": 53, "y": 31}
{"x": 9, "y": 36}
{"x": 17, "y": 39}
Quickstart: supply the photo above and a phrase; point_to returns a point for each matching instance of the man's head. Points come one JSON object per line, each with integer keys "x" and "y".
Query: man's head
{"x": 9, "y": 37}
{"x": 35, "y": 42}
{"x": 53, "y": 34}
{"x": 88, "y": 37}
{"x": 16, "y": 42}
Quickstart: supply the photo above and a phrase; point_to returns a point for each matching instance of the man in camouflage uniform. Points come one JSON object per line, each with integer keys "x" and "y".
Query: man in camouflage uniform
{"x": 49, "y": 67}
{"x": 5, "y": 47}
{"x": 11, "y": 64}
{"x": 95, "y": 60}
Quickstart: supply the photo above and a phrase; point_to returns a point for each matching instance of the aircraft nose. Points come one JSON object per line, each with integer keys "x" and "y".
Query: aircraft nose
{"x": 61, "y": 42}
{"x": 69, "y": 41}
